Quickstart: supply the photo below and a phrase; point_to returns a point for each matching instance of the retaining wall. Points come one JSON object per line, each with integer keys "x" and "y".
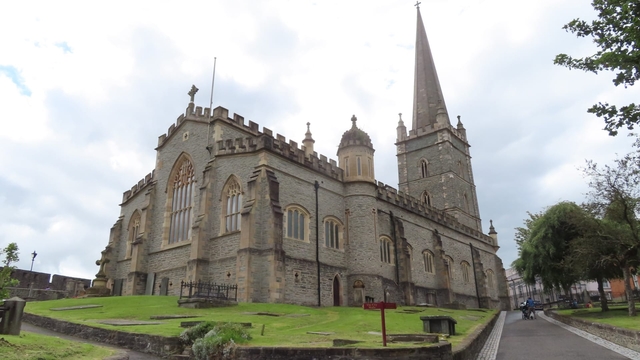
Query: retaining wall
{"x": 623, "y": 337}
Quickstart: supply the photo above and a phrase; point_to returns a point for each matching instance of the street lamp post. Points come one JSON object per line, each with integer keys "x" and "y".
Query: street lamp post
{"x": 33, "y": 257}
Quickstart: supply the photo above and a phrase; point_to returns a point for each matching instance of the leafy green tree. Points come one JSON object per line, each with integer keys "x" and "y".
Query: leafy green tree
{"x": 10, "y": 256}
{"x": 615, "y": 195}
{"x": 546, "y": 250}
{"x": 616, "y": 32}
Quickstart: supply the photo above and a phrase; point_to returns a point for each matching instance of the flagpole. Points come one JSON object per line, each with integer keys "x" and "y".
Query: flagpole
{"x": 213, "y": 79}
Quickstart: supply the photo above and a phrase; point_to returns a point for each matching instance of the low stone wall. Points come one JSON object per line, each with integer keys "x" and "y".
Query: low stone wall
{"x": 152, "y": 344}
{"x": 436, "y": 352}
{"x": 37, "y": 294}
{"x": 167, "y": 346}
{"x": 623, "y": 337}
{"x": 471, "y": 346}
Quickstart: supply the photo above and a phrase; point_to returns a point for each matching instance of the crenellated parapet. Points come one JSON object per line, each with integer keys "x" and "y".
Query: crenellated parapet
{"x": 433, "y": 128}
{"x": 143, "y": 183}
{"x": 280, "y": 146}
{"x": 412, "y": 204}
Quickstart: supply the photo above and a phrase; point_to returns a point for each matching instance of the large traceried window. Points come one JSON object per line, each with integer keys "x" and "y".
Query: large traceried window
{"x": 424, "y": 168}
{"x": 466, "y": 269}
{"x": 296, "y": 223}
{"x": 233, "y": 205}
{"x": 134, "y": 230}
{"x": 181, "y": 204}
{"x": 332, "y": 233}
{"x": 386, "y": 249}
{"x": 428, "y": 262}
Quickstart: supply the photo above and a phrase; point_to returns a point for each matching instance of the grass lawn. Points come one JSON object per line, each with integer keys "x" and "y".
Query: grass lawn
{"x": 616, "y": 316}
{"x": 30, "y": 346}
{"x": 289, "y": 329}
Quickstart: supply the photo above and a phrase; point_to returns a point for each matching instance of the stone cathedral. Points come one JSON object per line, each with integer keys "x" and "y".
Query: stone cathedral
{"x": 231, "y": 203}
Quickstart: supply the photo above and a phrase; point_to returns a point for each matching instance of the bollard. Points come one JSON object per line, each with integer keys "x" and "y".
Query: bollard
{"x": 12, "y": 316}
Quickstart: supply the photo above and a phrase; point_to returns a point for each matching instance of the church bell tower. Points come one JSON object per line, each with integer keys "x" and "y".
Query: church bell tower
{"x": 434, "y": 163}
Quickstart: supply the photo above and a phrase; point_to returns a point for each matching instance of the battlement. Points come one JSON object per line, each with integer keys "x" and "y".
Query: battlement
{"x": 433, "y": 128}
{"x": 201, "y": 114}
{"x": 139, "y": 186}
{"x": 410, "y": 203}
{"x": 280, "y": 146}
{"x": 259, "y": 140}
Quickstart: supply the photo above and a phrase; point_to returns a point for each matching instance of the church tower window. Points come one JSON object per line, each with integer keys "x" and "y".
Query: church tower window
{"x": 424, "y": 167}
{"x": 449, "y": 262}
{"x": 346, "y": 166}
{"x": 465, "y": 202}
{"x": 359, "y": 165}
{"x": 233, "y": 205}
{"x": 466, "y": 269}
{"x": 134, "y": 230}
{"x": 428, "y": 262}
{"x": 332, "y": 233}
{"x": 297, "y": 223}
{"x": 181, "y": 202}
{"x": 386, "y": 248}
{"x": 426, "y": 198}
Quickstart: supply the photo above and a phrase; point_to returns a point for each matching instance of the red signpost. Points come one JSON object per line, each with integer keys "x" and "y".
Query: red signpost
{"x": 380, "y": 305}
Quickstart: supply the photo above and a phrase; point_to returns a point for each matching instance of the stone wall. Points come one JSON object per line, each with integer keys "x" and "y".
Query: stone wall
{"x": 435, "y": 352}
{"x": 623, "y": 337}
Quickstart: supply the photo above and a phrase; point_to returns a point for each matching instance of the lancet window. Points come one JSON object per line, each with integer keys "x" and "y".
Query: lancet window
{"x": 181, "y": 205}
{"x": 233, "y": 205}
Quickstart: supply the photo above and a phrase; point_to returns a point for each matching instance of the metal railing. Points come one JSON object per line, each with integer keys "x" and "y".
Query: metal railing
{"x": 207, "y": 290}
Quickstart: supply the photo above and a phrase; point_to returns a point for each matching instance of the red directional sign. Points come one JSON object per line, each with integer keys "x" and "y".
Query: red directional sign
{"x": 380, "y": 306}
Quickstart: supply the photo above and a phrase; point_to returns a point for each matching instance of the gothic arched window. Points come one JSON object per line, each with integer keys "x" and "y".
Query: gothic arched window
{"x": 426, "y": 198}
{"x": 428, "y": 262}
{"x": 296, "y": 221}
{"x": 466, "y": 269}
{"x": 386, "y": 248}
{"x": 232, "y": 202}
{"x": 332, "y": 233}
{"x": 449, "y": 261}
{"x": 134, "y": 231}
{"x": 424, "y": 167}
{"x": 181, "y": 192}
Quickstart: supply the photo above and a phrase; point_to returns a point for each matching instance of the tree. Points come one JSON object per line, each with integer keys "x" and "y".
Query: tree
{"x": 615, "y": 195}
{"x": 616, "y": 32}
{"x": 546, "y": 250}
{"x": 11, "y": 256}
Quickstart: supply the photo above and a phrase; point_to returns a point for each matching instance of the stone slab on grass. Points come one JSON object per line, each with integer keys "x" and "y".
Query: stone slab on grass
{"x": 297, "y": 315}
{"x": 168, "y": 317}
{"x": 186, "y": 324}
{"x": 80, "y": 307}
{"x": 125, "y": 322}
{"x": 261, "y": 313}
{"x": 320, "y": 333}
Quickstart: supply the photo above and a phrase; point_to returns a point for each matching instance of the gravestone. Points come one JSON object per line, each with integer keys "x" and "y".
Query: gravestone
{"x": 439, "y": 324}
{"x": 151, "y": 282}
{"x": 164, "y": 287}
{"x": 12, "y": 316}
{"x": 117, "y": 287}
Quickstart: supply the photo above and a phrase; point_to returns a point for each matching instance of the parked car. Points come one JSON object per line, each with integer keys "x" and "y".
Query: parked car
{"x": 537, "y": 305}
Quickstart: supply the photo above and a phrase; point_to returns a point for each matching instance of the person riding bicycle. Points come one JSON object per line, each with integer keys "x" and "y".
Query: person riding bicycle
{"x": 531, "y": 306}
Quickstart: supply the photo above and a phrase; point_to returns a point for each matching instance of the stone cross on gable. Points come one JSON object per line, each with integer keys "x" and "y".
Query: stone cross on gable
{"x": 418, "y": 4}
{"x": 192, "y": 92}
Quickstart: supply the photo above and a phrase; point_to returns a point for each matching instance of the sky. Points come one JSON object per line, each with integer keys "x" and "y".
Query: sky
{"x": 86, "y": 88}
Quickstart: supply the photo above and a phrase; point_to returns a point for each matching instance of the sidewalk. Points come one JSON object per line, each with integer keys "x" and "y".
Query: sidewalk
{"x": 514, "y": 338}
{"x": 123, "y": 353}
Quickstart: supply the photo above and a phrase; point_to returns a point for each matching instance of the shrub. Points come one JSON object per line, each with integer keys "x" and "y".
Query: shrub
{"x": 218, "y": 341}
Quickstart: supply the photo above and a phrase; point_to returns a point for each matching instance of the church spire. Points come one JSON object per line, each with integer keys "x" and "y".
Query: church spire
{"x": 427, "y": 95}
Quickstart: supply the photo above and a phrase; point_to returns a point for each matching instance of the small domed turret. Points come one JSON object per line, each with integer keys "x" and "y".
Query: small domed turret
{"x": 355, "y": 154}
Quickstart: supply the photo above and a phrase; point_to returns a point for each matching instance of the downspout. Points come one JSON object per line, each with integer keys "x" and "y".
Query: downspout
{"x": 317, "y": 186}
{"x": 395, "y": 246}
{"x": 475, "y": 277}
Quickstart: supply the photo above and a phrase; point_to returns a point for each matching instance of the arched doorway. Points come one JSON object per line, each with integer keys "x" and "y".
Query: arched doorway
{"x": 336, "y": 291}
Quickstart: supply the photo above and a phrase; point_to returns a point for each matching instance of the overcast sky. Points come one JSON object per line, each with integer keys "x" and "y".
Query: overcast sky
{"x": 85, "y": 91}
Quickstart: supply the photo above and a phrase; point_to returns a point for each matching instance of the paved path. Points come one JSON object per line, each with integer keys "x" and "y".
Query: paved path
{"x": 132, "y": 355}
{"x": 514, "y": 338}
